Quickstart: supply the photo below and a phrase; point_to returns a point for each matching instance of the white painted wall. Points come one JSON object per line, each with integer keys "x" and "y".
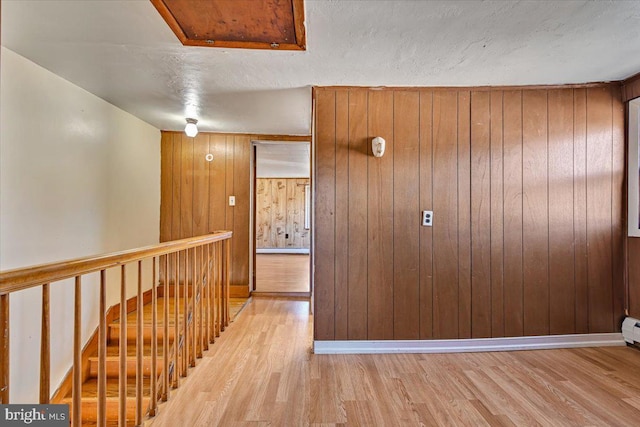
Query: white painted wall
{"x": 78, "y": 177}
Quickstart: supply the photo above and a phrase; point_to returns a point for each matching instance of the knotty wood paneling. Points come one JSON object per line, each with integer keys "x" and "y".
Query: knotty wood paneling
{"x": 299, "y": 237}
{"x": 280, "y": 208}
{"x": 526, "y": 188}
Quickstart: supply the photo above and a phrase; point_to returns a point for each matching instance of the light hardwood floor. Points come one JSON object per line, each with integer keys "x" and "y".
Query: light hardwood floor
{"x": 282, "y": 273}
{"x": 261, "y": 371}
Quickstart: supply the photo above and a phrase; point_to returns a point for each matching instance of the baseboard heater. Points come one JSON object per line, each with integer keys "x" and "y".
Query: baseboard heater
{"x": 631, "y": 331}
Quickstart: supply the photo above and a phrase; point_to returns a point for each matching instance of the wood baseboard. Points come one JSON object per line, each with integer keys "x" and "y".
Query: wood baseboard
{"x": 282, "y": 251}
{"x": 469, "y": 345}
{"x": 239, "y": 291}
{"x": 283, "y": 295}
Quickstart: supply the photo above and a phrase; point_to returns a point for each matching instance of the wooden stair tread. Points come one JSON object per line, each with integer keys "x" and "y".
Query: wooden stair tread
{"x": 90, "y": 388}
{"x": 113, "y": 350}
{"x": 147, "y": 313}
{"x": 89, "y": 399}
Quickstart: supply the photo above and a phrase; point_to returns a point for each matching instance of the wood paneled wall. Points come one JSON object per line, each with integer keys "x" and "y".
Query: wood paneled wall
{"x": 195, "y": 192}
{"x": 634, "y": 276}
{"x": 526, "y": 185}
{"x": 280, "y": 213}
{"x": 631, "y": 90}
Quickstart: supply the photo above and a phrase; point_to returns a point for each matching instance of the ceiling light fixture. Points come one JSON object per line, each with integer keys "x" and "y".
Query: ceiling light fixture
{"x": 191, "y": 129}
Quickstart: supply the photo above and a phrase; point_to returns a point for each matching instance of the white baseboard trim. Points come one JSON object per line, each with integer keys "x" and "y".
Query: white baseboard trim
{"x": 282, "y": 251}
{"x": 469, "y": 345}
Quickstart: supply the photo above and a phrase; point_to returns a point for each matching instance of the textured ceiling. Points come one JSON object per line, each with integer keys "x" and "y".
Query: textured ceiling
{"x": 124, "y": 52}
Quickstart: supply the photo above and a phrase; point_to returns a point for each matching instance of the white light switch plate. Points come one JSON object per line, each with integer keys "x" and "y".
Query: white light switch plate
{"x": 232, "y": 200}
{"x": 427, "y": 218}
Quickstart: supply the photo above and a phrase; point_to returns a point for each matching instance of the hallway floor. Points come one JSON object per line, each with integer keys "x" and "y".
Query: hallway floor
{"x": 282, "y": 273}
{"x": 261, "y": 372}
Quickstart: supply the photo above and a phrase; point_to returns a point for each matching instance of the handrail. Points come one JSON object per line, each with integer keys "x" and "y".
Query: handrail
{"x": 194, "y": 287}
{"x": 28, "y": 277}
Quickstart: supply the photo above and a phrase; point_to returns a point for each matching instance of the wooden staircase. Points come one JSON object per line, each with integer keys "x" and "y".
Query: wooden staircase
{"x": 89, "y": 397}
{"x": 144, "y": 344}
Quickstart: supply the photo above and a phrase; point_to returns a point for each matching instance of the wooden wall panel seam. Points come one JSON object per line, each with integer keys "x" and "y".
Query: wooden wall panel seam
{"x": 432, "y": 181}
{"x": 393, "y": 201}
{"x": 341, "y": 214}
{"x": 618, "y": 204}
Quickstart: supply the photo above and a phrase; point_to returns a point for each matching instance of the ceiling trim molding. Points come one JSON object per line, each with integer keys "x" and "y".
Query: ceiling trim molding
{"x": 253, "y": 136}
{"x": 474, "y": 88}
{"x": 631, "y": 88}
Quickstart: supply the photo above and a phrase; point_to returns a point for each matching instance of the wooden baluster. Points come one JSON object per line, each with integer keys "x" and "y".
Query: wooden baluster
{"x": 45, "y": 351}
{"x": 122, "y": 379}
{"x": 209, "y": 337}
{"x": 139, "y": 345}
{"x": 194, "y": 305}
{"x": 198, "y": 305}
{"x": 154, "y": 340}
{"x": 219, "y": 289}
{"x": 214, "y": 281}
{"x": 185, "y": 316}
{"x": 102, "y": 352}
{"x": 202, "y": 302}
{"x": 77, "y": 355}
{"x": 165, "y": 331}
{"x": 206, "y": 295}
{"x": 225, "y": 268}
{"x": 177, "y": 366}
{"x": 4, "y": 349}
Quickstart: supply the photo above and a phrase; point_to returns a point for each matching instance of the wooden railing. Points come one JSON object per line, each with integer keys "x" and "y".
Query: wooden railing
{"x": 196, "y": 269}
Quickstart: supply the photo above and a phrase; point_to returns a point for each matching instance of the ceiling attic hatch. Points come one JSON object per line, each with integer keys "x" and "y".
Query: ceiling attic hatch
{"x": 243, "y": 24}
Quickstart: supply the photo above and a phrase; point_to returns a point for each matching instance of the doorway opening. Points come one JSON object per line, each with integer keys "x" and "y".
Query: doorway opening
{"x": 281, "y": 218}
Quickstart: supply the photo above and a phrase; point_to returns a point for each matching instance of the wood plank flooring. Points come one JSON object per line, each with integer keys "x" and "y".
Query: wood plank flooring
{"x": 262, "y": 372}
{"x": 282, "y": 273}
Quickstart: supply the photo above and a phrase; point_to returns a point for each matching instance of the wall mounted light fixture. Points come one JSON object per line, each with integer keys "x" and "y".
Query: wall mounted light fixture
{"x": 378, "y": 145}
{"x": 191, "y": 129}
